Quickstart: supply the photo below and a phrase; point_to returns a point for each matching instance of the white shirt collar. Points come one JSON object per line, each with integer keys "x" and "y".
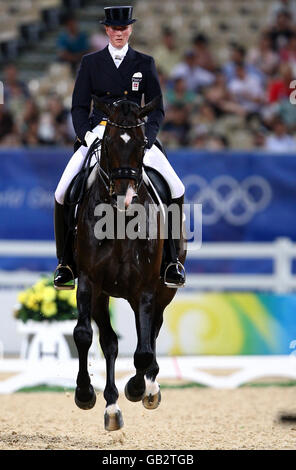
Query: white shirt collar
{"x": 114, "y": 51}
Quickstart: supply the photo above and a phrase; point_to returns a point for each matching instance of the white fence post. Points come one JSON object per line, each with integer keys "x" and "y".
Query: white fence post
{"x": 283, "y": 258}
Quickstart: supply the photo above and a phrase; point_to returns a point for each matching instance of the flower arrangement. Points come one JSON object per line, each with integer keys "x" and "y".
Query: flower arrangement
{"x": 42, "y": 302}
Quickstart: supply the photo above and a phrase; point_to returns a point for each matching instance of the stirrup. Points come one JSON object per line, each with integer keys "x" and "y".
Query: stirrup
{"x": 170, "y": 284}
{"x": 69, "y": 285}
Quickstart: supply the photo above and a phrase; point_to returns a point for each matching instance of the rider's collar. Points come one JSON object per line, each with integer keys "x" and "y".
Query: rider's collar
{"x": 114, "y": 51}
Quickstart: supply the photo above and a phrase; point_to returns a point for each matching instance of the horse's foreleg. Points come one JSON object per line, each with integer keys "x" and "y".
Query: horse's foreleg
{"x": 109, "y": 345}
{"x": 152, "y": 395}
{"x": 144, "y": 354}
{"x": 85, "y": 396}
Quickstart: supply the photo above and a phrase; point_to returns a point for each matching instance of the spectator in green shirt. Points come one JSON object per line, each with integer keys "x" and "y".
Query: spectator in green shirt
{"x": 72, "y": 44}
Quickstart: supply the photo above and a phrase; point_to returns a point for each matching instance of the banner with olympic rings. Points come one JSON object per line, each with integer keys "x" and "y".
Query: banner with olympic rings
{"x": 245, "y": 196}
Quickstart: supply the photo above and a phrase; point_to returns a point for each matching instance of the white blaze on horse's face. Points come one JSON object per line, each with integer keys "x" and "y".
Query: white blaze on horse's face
{"x": 125, "y": 137}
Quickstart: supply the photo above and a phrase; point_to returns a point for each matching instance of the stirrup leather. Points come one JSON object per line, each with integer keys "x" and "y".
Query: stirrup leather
{"x": 170, "y": 284}
{"x": 71, "y": 286}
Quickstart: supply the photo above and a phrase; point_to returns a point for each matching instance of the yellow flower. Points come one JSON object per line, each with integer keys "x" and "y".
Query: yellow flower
{"x": 32, "y": 302}
{"x": 49, "y": 294}
{"x": 64, "y": 295}
{"x": 48, "y": 309}
{"x": 72, "y": 299}
{"x": 40, "y": 285}
{"x": 23, "y": 296}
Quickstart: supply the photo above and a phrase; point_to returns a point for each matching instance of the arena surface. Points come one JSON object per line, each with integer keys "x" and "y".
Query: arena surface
{"x": 196, "y": 418}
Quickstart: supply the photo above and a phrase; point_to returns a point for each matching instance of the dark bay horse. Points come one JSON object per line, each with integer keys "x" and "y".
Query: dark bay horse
{"x": 125, "y": 268}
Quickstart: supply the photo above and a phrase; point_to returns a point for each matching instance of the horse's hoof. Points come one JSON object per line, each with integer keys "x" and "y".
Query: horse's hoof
{"x": 89, "y": 404}
{"x": 130, "y": 397}
{"x": 113, "y": 421}
{"x": 151, "y": 402}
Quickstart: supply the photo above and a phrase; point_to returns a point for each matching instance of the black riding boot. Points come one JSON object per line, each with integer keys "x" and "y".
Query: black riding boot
{"x": 174, "y": 275}
{"x": 64, "y": 277}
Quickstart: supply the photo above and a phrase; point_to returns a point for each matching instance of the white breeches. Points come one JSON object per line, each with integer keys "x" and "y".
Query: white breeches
{"x": 153, "y": 158}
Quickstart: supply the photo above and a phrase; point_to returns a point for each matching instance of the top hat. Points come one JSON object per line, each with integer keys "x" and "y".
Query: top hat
{"x": 118, "y": 16}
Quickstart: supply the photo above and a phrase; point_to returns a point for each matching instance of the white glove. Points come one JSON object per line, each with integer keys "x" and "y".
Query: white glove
{"x": 89, "y": 138}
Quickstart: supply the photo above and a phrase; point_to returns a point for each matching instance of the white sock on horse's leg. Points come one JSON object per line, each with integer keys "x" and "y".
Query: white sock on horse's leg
{"x": 152, "y": 387}
{"x": 112, "y": 409}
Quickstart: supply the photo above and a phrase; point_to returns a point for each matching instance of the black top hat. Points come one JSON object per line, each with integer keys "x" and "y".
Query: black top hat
{"x": 118, "y": 16}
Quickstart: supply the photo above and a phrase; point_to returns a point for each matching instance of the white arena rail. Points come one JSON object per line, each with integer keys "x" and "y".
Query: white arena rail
{"x": 282, "y": 252}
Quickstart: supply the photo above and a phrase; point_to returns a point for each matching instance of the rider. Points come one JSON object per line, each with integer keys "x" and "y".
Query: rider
{"x": 112, "y": 73}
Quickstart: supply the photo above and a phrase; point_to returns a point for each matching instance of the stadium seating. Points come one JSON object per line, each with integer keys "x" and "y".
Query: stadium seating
{"x": 32, "y": 26}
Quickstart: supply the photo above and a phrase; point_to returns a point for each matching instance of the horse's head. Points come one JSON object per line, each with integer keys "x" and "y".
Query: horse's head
{"x": 123, "y": 146}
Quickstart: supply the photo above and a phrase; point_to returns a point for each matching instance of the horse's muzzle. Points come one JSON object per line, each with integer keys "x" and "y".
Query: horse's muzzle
{"x": 121, "y": 202}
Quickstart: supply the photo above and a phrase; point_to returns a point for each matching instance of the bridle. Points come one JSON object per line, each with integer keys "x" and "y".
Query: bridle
{"x": 111, "y": 175}
{"x": 125, "y": 127}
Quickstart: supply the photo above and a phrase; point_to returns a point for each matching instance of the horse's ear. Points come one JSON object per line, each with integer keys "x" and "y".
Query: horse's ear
{"x": 104, "y": 107}
{"x": 156, "y": 102}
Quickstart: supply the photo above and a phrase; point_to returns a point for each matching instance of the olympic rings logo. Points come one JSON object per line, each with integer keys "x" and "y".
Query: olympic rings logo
{"x": 225, "y": 198}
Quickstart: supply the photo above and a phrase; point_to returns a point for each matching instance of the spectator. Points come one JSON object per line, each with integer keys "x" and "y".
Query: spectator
{"x": 72, "y": 44}
{"x": 258, "y": 139}
{"x": 8, "y": 132}
{"x": 280, "y": 140}
{"x": 278, "y": 5}
{"x": 280, "y": 33}
{"x": 217, "y": 142}
{"x": 175, "y": 130}
{"x": 179, "y": 94}
{"x": 279, "y": 88}
{"x": 288, "y": 53}
{"x": 263, "y": 57}
{"x": 203, "y": 55}
{"x": 16, "y": 93}
{"x": 246, "y": 90}
{"x": 13, "y": 85}
{"x": 167, "y": 55}
{"x": 237, "y": 56}
{"x": 208, "y": 141}
{"x": 194, "y": 76}
{"x": 199, "y": 141}
{"x": 30, "y": 138}
{"x": 98, "y": 41}
{"x": 30, "y": 114}
{"x": 59, "y": 116}
{"x": 287, "y": 112}
{"x": 220, "y": 97}
{"x": 206, "y": 120}
{"x": 46, "y": 129}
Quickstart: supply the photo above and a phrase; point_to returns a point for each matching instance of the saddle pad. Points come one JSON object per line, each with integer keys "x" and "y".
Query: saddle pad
{"x": 154, "y": 194}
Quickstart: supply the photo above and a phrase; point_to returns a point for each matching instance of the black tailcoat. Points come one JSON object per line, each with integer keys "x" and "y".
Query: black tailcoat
{"x": 99, "y": 75}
